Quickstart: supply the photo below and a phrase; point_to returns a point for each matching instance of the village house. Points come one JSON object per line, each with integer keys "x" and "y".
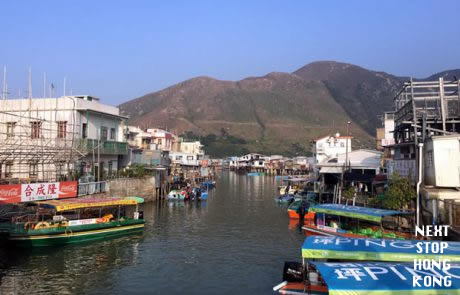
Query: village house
{"x": 48, "y": 138}
{"x": 330, "y": 146}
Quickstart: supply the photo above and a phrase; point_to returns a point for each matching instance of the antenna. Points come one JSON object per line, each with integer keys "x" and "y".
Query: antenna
{"x": 30, "y": 82}
{"x": 64, "y": 84}
{"x": 5, "y": 87}
{"x": 44, "y": 84}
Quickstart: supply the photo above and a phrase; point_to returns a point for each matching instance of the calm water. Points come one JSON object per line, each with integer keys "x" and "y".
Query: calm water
{"x": 235, "y": 243}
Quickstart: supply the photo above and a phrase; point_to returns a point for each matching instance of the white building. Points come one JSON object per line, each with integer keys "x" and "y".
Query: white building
{"x": 185, "y": 159}
{"x": 330, "y": 146}
{"x": 164, "y": 140}
{"x": 192, "y": 147}
{"x": 41, "y": 138}
{"x": 360, "y": 161}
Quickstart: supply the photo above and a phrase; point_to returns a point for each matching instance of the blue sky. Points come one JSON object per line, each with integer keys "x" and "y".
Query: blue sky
{"x": 119, "y": 50}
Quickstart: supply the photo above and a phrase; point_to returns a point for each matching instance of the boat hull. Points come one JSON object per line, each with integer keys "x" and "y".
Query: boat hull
{"x": 46, "y": 238}
{"x": 294, "y": 288}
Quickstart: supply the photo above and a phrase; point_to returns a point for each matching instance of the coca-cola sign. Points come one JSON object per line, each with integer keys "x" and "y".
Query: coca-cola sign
{"x": 10, "y": 193}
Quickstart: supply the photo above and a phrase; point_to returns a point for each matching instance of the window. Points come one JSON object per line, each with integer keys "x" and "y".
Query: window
{"x": 10, "y": 129}
{"x": 35, "y": 129}
{"x": 112, "y": 133}
{"x": 84, "y": 130}
{"x": 178, "y": 157}
{"x": 33, "y": 169}
{"x": 260, "y": 163}
{"x": 110, "y": 167}
{"x": 103, "y": 133}
{"x": 189, "y": 157}
{"x": 62, "y": 129}
{"x": 342, "y": 144}
{"x": 9, "y": 169}
{"x": 159, "y": 141}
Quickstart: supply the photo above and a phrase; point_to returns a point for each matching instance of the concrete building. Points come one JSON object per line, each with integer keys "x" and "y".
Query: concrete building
{"x": 48, "y": 138}
{"x": 164, "y": 140}
{"x": 191, "y": 147}
{"x": 330, "y": 146}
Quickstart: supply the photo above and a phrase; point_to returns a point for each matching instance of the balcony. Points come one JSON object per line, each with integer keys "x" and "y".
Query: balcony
{"x": 105, "y": 147}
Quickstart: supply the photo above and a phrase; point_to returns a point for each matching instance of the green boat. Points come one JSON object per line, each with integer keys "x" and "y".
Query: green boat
{"x": 61, "y": 222}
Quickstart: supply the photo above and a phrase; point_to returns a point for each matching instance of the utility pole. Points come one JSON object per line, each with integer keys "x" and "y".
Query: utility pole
{"x": 5, "y": 87}
{"x": 44, "y": 84}
{"x": 346, "y": 145}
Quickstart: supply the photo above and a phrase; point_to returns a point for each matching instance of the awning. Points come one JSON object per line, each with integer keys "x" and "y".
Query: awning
{"x": 330, "y": 170}
{"x": 440, "y": 193}
{"x": 384, "y": 279}
{"x": 65, "y": 205}
{"x": 363, "y": 213}
{"x": 321, "y": 247}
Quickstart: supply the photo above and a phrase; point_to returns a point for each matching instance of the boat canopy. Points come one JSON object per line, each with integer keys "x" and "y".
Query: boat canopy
{"x": 370, "y": 214}
{"x": 320, "y": 247}
{"x": 385, "y": 278}
{"x": 73, "y": 204}
{"x": 298, "y": 179}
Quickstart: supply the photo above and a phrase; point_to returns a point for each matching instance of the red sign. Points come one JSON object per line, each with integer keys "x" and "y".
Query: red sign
{"x": 10, "y": 193}
{"x": 17, "y": 193}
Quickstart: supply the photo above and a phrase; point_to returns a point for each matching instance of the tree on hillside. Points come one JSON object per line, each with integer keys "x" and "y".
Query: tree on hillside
{"x": 400, "y": 193}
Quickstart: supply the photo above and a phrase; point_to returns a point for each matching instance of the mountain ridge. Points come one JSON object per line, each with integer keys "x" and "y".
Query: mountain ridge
{"x": 275, "y": 113}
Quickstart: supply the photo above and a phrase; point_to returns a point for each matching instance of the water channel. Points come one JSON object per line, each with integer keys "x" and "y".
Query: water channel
{"x": 235, "y": 243}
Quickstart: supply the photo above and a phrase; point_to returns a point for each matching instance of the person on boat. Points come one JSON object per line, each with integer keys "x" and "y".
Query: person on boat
{"x": 301, "y": 210}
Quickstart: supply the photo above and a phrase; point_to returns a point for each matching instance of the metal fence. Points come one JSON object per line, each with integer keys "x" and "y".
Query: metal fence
{"x": 90, "y": 188}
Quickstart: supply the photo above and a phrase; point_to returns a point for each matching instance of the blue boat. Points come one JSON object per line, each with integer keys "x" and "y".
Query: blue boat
{"x": 209, "y": 184}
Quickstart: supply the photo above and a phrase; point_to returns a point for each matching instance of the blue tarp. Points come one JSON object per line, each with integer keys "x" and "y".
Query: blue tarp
{"x": 386, "y": 278}
{"x": 355, "y": 211}
{"x": 321, "y": 247}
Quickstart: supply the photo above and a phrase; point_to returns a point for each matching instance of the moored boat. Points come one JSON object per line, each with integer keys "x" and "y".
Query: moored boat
{"x": 355, "y": 221}
{"x": 60, "y": 222}
{"x": 176, "y": 195}
{"x": 384, "y": 267}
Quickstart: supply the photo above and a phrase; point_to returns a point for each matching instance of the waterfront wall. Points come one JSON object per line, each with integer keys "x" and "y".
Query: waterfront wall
{"x": 140, "y": 187}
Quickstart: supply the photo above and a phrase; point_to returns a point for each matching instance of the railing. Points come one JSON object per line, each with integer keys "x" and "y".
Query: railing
{"x": 103, "y": 147}
{"x": 90, "y": 188}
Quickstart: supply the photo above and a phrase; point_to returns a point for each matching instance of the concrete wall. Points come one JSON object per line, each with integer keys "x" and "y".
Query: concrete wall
{"x": 139, "y": 187}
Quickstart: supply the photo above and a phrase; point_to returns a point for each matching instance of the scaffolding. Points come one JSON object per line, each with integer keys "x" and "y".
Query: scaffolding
{"x": 38, "y": 140}
{"x": 426, "y": 108}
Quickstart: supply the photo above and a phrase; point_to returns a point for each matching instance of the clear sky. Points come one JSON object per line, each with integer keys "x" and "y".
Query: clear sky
{"x": 119, "y": 50}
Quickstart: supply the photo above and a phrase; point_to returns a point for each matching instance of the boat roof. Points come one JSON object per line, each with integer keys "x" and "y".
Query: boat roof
{"x": 73, "y": 204}
{"x": 321, "y": 247}
{"x": 370, "y": 214}
{"x": 383, "y": 278}
{"x": 297, "y": 179}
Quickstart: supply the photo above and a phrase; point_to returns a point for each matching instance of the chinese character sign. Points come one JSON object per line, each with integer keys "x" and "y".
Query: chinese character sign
{"x": 39, "y": 191}
{"x": 17, "y": 193}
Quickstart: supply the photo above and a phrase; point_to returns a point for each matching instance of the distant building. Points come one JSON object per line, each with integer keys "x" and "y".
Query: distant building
{"x": 164, "y": 140}
{"x": 192, "y": 147}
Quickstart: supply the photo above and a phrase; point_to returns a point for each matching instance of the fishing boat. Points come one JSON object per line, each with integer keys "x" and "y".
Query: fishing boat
{"x": 355, "y": 221}
{"x": 60, "y": 222}
{"x": 176, "y": 195}
{"x": 317, "y": 274}
{"x": 308, "y": 199}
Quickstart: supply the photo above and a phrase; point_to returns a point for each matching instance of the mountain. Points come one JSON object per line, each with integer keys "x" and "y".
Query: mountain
{"x": 278, "y": 113}
{"x": 362, "y": 93}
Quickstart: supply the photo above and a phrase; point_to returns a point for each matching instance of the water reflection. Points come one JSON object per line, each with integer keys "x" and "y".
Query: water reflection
{"x": 233, "y": 243}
